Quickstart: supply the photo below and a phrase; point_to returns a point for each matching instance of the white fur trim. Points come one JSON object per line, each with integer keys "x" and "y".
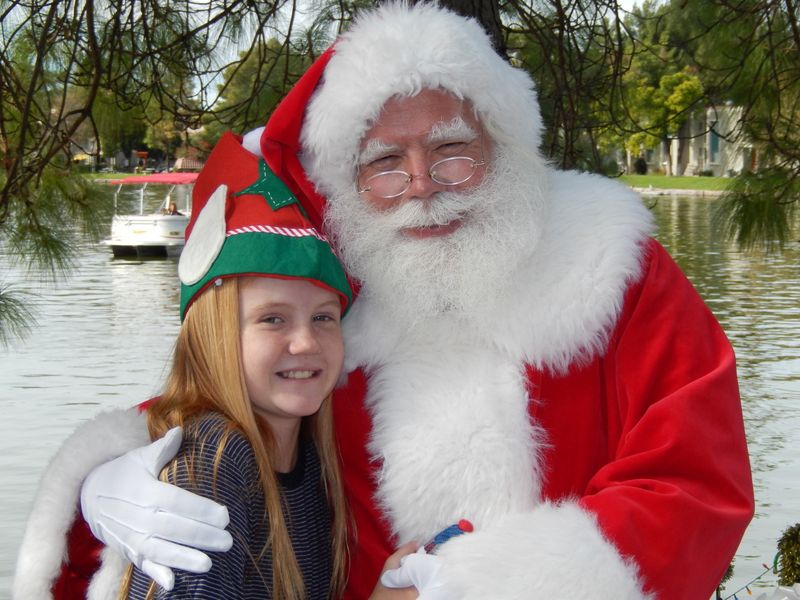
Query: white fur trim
{"x": 55, "y": 506}
{"x": 106, "y": 582}
{"x": 401, "y": 50}
{"x": 554, "y": 551}
{"x": 453, "y": 435}
{"x": 567, "y": 299}
{"x": 564, "y": 302}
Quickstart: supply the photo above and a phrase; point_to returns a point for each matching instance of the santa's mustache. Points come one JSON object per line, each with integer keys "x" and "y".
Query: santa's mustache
{"x": 439, "y": 209}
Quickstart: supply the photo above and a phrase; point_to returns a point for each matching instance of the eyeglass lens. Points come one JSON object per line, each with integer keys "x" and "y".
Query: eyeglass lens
{"x": 449, "y": 171}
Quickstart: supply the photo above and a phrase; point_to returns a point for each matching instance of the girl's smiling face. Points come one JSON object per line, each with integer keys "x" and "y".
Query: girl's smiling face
{"x": 292, "y": 349}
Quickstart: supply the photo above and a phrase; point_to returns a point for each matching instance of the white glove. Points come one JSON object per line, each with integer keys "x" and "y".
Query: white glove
{"x": 422, "y": 571}
{"x": 153, "y": 524}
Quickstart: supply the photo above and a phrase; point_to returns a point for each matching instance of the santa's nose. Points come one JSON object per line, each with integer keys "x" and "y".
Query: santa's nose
{"x": 422, "y": 185}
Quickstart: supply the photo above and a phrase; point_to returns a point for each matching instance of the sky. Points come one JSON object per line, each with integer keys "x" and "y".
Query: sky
{"x": 628, "y": 4}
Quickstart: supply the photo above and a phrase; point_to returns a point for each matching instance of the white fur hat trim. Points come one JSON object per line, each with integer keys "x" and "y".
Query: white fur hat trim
{"x": 400, "y": 50}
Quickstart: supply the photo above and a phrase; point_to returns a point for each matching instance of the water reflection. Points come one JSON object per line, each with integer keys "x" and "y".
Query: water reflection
{"x": 756, "y": 297}
{"x": 103, "y": 339}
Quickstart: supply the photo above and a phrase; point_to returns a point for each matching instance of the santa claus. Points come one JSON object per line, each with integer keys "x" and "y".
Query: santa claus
{"x": 521, "y": 353}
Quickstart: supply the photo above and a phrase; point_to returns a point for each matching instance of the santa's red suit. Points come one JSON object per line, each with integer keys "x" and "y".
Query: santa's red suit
{"x": 652, "y": 459}
{"x": 588, "y": 423}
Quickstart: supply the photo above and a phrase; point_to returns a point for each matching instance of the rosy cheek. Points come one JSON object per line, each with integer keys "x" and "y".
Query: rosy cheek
{"x": 476, "y": 179}
{"x": 380, "y": 204}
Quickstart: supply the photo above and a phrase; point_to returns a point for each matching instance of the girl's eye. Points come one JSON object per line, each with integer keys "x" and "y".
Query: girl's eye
{"x": 324, "y": 318}
{"x": 271, "y": 320}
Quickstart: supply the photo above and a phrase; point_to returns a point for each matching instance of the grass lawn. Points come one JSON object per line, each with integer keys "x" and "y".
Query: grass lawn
{"x": 676, "y": 183}
{"x": 109, "y": 175}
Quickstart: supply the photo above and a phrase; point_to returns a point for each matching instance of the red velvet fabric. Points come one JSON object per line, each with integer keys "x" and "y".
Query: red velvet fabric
{"x": 82, "y": 562}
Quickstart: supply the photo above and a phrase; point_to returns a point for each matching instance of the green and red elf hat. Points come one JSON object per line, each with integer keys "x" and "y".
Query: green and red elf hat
{"x": 246, "y": 222}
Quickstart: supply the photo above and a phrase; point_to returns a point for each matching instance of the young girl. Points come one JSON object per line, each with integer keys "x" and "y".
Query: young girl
{"x": 257, "y": 356}
{"x": 256, "y": 359}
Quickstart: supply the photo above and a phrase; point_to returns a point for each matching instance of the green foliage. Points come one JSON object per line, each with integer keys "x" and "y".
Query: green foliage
{"x": 659, "y": 90}
{"x": 789, "y": 556}
{"x": 253, "y": 87}
{"x": 42, "y": 228}
{"x": 659, "y": 111}
{"x": 748, "y": 53}
{"x": 16, "y": 317}
{"x": 725, "y": 578}
{"x": 758, "y": 210}
{"x": 48, "y": 220}
{"x": 574, "y": 56}
{"x": 120, "y": 128}
{"x": 680, "y": 92}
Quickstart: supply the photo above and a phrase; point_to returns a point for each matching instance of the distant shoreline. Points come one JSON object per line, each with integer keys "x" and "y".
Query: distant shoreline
{"x": 651, "y": 191}
{"x": 643, "y": 191}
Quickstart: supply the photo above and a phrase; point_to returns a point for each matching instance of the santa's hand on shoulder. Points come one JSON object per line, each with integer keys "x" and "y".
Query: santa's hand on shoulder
{"x": 155, "y": 525}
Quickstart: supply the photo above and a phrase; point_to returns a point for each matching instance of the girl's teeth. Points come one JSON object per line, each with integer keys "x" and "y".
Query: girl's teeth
{"x": 298, "y": 374}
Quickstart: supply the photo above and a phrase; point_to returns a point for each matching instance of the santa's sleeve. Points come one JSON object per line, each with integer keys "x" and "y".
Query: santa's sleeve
{"x": 664, "y": 516}
{"x": 58, "y": 555}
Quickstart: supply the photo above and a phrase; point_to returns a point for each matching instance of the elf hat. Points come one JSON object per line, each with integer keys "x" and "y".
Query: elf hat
{"x": 396, "y": 49}
{"x": 246, "y": 222}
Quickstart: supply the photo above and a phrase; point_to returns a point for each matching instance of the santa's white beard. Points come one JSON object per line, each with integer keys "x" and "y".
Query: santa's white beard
{"x": 459, "y": 273}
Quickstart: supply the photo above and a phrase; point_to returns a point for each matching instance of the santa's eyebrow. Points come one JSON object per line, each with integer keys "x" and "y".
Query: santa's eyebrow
{"x": 375, "y": 149}
{"x": 455, "y": 130}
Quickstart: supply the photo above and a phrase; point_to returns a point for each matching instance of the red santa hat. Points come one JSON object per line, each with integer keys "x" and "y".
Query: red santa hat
{"x": 280, "y": 141}
{"x": 312, "y": 139}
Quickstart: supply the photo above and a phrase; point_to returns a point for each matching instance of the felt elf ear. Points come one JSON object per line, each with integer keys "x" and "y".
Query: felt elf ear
{"x": 205, "y": 242}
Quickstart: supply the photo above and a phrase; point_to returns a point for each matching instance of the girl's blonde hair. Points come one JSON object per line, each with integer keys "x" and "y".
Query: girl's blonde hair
{"x": 207, "y": 374}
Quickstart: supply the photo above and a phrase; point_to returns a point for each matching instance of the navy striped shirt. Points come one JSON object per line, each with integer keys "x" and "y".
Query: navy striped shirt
{"x": 239, "y": 573}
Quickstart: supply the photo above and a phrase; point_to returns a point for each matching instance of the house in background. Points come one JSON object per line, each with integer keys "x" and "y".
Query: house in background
{"x": 187, "y": 163}
{"x": 710, "y": 142}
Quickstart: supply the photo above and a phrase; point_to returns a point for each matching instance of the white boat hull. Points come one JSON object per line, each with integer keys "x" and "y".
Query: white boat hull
{"x": 142, "y": 236}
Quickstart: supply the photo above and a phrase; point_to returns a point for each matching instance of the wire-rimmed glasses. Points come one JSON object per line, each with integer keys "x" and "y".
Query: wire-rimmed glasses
{"x": 448, "y": 171}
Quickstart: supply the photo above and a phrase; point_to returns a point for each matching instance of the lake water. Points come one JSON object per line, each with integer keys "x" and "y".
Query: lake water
{"x": 104, "y": 336}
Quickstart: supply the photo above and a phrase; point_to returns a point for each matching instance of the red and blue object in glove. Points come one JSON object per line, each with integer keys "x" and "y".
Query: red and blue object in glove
{"x": 463, "y": 526}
